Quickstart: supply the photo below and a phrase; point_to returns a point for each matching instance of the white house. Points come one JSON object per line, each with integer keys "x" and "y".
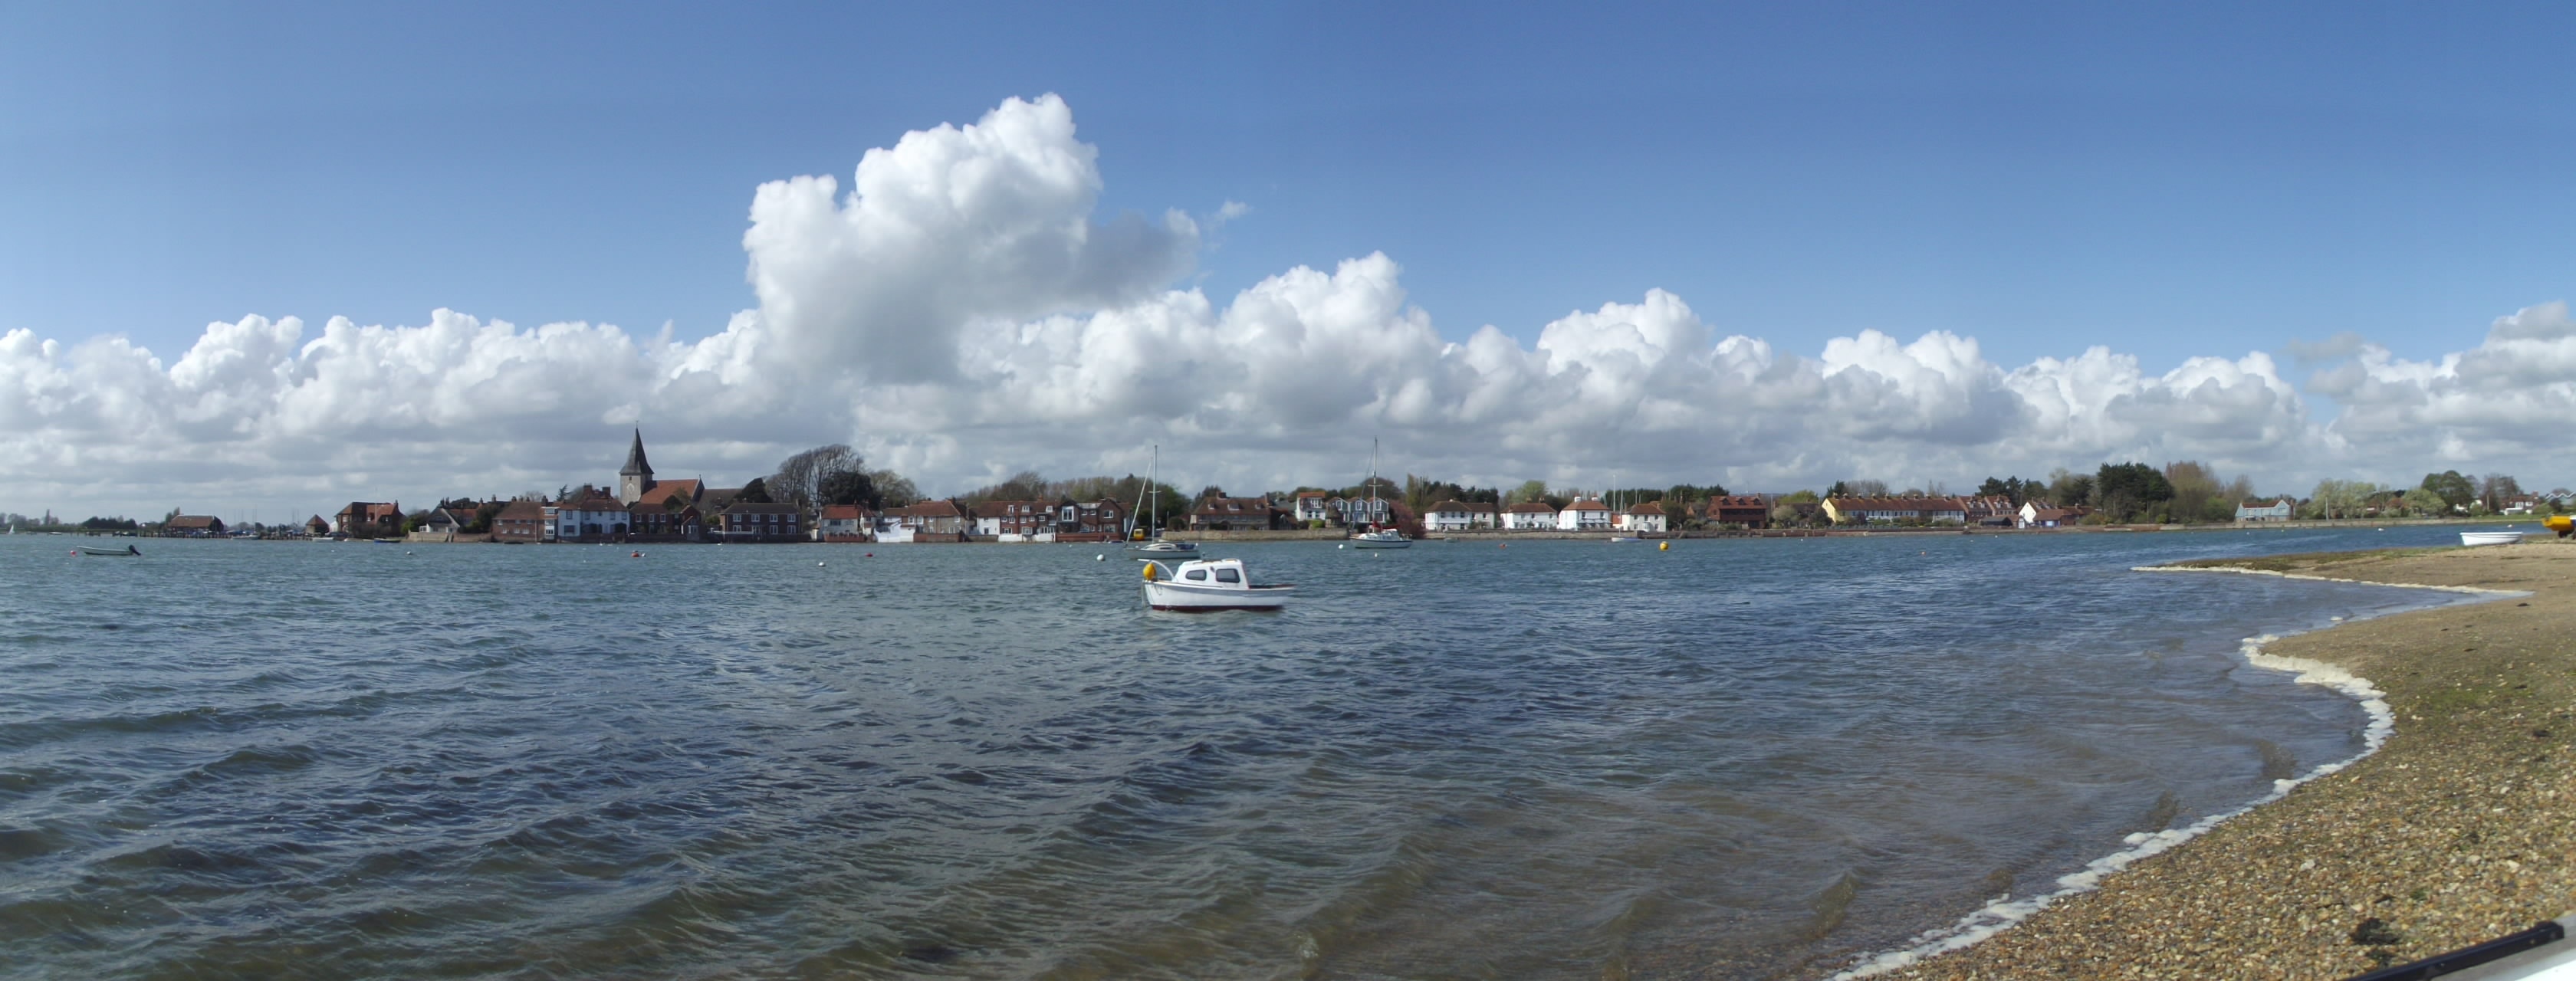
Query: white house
{"x": 2281, "y": 510}
{"x": 1529, "y": 515}
{"x": 597, "y": 517}
{"x": 1644, "y": 518}
{"x": 1361, "y": 510}
{"x": 1587, "y": 514}
{"x": 1456, "y": 515}
{"x": 1311, "y": 506}
{"x": 1445, "y": 516}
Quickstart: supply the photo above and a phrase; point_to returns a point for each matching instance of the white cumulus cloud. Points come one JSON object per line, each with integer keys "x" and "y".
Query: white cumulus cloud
{"x": 963, "y": 313}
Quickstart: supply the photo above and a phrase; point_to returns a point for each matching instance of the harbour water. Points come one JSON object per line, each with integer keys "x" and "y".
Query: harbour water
{"x": 1738, "y": 758}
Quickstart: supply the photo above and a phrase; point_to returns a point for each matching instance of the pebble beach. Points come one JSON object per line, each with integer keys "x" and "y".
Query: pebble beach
{"x": 2461, "y": 829}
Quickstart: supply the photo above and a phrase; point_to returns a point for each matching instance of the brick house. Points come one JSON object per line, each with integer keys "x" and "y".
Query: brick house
{"x": 1749, "y": 510}
{"x": 748, "y": 522}
{"x": 522, "y": 522}
{"x": 1236, "y": 514}
{"x": 193, "y": 526}
{"x": 1100, "y": 520}
{"x": 368, "y": 518}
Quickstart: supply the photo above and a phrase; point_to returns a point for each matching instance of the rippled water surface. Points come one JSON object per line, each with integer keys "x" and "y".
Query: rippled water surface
{"x": 1552, "y": 760}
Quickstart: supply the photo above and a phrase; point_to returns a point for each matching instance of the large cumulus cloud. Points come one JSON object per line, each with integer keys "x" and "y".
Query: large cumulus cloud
{"x": 963, "y": 313}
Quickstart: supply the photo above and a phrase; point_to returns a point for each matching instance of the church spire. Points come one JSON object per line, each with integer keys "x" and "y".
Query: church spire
{"x": 635, "y": 465}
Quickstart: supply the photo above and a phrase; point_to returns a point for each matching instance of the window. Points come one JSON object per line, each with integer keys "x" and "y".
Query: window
{"x": 1228, "y": 575}
{"x": 1199, "y": 575}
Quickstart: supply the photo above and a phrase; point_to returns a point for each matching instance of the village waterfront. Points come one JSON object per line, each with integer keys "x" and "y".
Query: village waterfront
{"x": 1553, "y": 759}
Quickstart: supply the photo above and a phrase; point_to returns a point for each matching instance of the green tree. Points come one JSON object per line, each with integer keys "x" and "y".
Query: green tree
{"x": 2455, "y": 490}
{"x": 755, "y": 492}
{"x": 2129, "y": 491}
{"x": 1530, "y": 491}
{"x": 2067, "y": 489}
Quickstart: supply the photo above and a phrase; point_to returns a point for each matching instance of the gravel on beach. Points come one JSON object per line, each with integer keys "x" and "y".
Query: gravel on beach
{"x": 2460, "y": 830}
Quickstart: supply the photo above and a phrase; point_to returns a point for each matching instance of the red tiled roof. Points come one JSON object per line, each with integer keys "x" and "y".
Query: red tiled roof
{"x": 1232, "y": 505}
{"x": 192, "y": 521}
{"x": 664, "y": 490}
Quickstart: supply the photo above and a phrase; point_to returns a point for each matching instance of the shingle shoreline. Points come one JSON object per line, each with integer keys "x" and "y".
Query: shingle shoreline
{"x": 2462, "y": 828}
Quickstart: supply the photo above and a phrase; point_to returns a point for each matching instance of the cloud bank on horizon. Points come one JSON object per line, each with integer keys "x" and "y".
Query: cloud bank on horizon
{"x": 961, "y": 314}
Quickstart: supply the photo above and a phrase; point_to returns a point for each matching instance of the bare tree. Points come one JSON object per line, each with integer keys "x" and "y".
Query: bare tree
{"x": 2195, "y": 489}
{"x": 800, "y": 477}
{"x": 2495, "y": 490}
{"x": 894, "y": 489}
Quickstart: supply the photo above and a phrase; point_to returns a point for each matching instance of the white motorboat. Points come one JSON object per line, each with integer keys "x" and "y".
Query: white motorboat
{"x": 2490, "y": 537}
{"x": 1207, "y": 586}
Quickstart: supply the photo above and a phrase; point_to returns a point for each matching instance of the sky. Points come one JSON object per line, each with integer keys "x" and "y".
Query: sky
{"x": 262, "y": 259}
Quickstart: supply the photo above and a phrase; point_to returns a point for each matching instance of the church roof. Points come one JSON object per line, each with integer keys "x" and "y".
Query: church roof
{"x": 635, "y": 465}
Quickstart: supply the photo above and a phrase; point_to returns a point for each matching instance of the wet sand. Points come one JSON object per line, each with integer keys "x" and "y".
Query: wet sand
{"x": 2461, "y": 829}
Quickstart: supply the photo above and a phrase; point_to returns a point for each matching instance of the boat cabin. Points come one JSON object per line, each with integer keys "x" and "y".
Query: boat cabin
{"x": 1215, "y": 573}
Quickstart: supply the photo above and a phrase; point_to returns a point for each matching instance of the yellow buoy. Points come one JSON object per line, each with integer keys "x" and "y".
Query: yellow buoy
{"x": 1149, "y": 572}
{"x": 1663, "y": 546}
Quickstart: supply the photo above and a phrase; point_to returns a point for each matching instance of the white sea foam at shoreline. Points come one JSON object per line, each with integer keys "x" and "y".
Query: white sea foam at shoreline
{"x": 2005, "y": 911}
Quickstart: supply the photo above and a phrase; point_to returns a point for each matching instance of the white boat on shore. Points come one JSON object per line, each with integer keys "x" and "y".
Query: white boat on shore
{"x": 2490, "y": 537}
{"x": 1207, "y": 586}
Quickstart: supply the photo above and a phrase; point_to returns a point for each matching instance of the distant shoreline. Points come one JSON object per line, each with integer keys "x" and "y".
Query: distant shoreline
{"x": 2460, "y": 829}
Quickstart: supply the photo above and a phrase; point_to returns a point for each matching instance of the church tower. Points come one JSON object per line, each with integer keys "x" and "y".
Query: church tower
{"x": 637, "y": 477}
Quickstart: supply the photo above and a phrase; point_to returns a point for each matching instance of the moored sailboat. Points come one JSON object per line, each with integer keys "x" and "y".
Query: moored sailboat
{"x": 1146, "y": 541}
{"x": 1380, "y": 536}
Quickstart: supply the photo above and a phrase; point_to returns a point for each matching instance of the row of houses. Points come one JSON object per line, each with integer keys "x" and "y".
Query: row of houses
{"x": 645, "y": 509}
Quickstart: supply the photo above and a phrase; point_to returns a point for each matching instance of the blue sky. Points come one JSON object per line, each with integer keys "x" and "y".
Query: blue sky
{"x": 1861, "y": 191}
{"x": 2179, "y": 181}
